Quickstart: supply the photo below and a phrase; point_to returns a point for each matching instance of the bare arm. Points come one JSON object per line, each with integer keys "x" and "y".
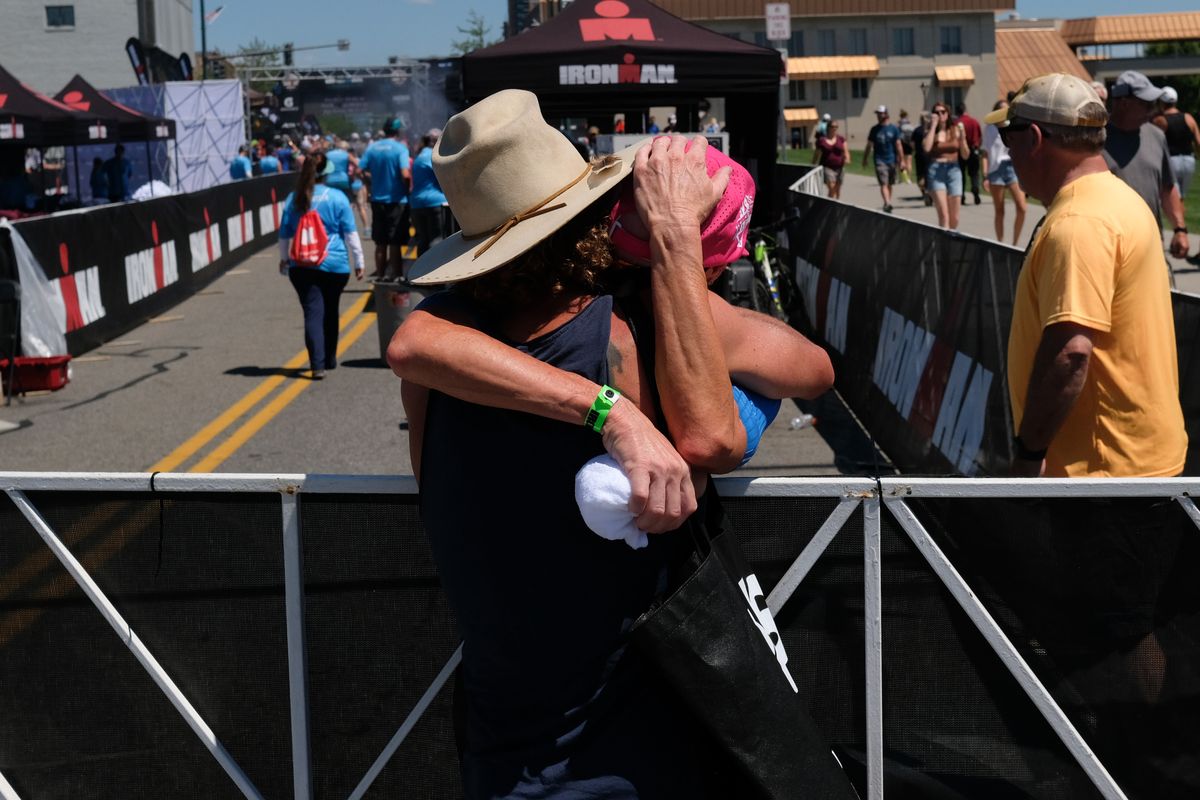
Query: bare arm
{"x": 866, "y": 151}
{"x": 1194, "y": 128}
{"x": 930, "y": 138}
{"x": 446, "y": 353}
{"x": 674, "y": 195}
{"x": 1173, "y": 206}
{"x": 1060, "y": 368}
{"x": 768, "y": 356}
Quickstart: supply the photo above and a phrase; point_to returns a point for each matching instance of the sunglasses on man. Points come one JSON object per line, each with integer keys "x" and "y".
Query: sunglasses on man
{"x": 1013, "y": 127}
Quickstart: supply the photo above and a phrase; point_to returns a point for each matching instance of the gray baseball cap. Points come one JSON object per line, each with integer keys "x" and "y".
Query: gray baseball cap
{"x": 1131, "y": 82}
{"x": 1056, "y": 99}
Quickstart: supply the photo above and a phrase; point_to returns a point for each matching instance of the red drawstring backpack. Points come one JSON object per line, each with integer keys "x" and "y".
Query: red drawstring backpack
{"x": 311, "y": 241}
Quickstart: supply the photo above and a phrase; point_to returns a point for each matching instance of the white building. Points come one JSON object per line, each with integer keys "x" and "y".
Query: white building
{"x": 46, "y": 42}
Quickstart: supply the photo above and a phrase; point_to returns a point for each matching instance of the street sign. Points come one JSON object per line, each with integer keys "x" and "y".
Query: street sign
{"x": 779, "y": 22}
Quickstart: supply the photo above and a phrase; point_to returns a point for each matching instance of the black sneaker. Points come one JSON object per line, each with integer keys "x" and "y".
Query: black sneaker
{"x": 977, "y": 200}
{"x": 887, "y": 208}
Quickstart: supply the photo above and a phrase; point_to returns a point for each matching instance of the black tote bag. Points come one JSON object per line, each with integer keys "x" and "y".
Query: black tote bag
{"x": 715, "y": 644}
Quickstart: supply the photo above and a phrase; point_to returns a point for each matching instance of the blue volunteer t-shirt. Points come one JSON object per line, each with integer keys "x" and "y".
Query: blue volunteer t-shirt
{"x": 384, "y": 160}
{"x": 334, "y": 210}
{"x": 268, "y": 165}
{"x": 240, "y": 168}
{"x": 884, "y": 138}
{"x": 340, "y": 177}
{"x": 426, "y": 191}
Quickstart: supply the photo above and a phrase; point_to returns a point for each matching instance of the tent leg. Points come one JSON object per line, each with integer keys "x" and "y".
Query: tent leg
{"x": 78, "y": 177}
{"x": 149, "y": 168}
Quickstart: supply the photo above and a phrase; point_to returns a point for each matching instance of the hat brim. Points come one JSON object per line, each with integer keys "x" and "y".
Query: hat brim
{"x": 999, "y": 117}
{"x": 453, "y": 259}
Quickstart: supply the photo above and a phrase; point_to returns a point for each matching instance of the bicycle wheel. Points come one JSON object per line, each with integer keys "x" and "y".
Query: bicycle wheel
{"x": 762, "y": 301}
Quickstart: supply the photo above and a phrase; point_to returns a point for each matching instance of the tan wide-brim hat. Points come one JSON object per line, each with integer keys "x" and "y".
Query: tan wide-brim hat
{"x": 511, "y": 180}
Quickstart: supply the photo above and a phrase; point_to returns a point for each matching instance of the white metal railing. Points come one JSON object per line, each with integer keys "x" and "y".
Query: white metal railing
{"x": 873, "y": 496}
{"x": 812, "y": 183}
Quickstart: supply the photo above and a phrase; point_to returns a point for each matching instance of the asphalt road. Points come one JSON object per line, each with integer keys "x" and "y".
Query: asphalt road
{"x": 184, "y": 378}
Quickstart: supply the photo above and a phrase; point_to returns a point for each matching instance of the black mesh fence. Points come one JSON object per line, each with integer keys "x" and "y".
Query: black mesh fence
{"x": 200, "y": 579}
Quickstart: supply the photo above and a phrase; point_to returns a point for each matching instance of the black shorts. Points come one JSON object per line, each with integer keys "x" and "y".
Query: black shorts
{"x": 389, "y": 223}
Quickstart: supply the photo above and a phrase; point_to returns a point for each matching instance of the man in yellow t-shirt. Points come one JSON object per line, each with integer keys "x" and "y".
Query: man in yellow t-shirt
{"x": 1092, "y": 369}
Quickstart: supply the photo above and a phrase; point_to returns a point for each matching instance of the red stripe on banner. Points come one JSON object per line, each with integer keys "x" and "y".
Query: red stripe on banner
{"x": 275, "y": 209}
{"x": 208, "y": 235}
{"x": 70, "y": 293}
{"x": 158, "y": 256}
{"x": 928, "y": 401}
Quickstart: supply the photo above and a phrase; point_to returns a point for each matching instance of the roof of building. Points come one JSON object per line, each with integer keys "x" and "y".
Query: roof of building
{"x": 742, "y": 9}
{"x": 799, "y": 116}
{"x": 1023, "y": 53}
{"x": 956, "y": 75}
{"x": 1131, "y": 28}
{"x": 829, "y": 67}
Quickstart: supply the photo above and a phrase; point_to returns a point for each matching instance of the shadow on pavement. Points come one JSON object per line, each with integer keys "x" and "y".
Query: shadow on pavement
{"x": 263, "y": 372}
{"x": 854, "y": 452}
{"x": 365, "y": 363}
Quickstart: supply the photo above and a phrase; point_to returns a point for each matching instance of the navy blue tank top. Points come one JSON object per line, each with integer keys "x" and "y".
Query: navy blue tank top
{"x": 556, "y": 705}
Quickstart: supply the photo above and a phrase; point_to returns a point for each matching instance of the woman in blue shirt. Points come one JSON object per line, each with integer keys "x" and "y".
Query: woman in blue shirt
{"x": 320, "y": 288}
{"x": 428, "y": 204}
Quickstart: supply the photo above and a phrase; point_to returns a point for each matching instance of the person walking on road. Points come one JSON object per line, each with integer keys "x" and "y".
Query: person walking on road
{"x": 920, "y": 157}
{"x": 833, "y": 153}
{"x": 945, "y": 144}
{"x": 319, "y": 285}
{"x": 1183, "y": 139}
{"x": 884, "y": 138}
{"x": 1136, "y": 152}
{"x": 241, "y": 167}
{"x": 428, "y": 202}
{"x": 388, "y": 170}
{"x": 1000, "y": 176}
{"x": 970, "y": 165}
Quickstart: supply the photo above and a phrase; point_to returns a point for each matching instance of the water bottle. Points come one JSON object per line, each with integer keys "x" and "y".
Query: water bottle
{"x": 802, "y": 421}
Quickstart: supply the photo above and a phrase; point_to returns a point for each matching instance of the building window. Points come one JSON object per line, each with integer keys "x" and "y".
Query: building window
{"x": 796, "y": 92}
{"x": 60, "y": 16}
{"x": 829, "y": 90}
{"x": 796, "y": 45}
{"x": 902, "y": 42}
{"x": 952, "y": 96}
{"x": 827, "y": 42}
{"x": 860, "y": 88}
{"x": 951, "y": 39}
{"x": 858, "y": 41}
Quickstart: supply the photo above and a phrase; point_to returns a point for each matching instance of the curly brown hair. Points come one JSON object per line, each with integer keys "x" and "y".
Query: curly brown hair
{"x": 572, "y": 260}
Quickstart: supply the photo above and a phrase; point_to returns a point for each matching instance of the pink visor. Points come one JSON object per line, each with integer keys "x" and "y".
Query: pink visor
{"x": 723, "y": 234}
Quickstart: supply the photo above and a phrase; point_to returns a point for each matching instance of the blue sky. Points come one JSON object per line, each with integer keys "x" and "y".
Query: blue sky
{"x": 419, "y": 28}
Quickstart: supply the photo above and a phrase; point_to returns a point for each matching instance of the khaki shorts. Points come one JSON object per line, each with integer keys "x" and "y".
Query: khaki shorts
{"x": 833, "y": 174}
{"x": 885, "y": 173}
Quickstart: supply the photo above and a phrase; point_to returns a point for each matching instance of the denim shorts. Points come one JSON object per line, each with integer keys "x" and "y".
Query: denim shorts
{"x": 944, "y": 176}
{"x": 1003, "y": 175}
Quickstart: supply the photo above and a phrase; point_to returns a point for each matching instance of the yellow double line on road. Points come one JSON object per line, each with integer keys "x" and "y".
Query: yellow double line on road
{"x": 352, "y": 324}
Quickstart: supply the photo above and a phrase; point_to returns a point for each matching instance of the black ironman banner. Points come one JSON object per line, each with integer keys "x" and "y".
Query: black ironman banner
{"x": 916, "y": 321}
{"x": 116, "y": 266}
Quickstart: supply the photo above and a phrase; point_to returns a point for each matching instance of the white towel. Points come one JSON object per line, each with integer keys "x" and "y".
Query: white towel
{"x": 602, "y": 491}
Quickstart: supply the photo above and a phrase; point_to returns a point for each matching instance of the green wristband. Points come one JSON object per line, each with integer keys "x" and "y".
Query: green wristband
{"x": 598, "y": 413}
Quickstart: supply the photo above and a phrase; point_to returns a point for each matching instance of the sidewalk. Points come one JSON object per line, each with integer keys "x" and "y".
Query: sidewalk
{"x": 977, "y": 220}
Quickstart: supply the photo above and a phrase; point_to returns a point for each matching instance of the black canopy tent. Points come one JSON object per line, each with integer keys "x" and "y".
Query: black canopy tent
{"x": 609, "y": 56}
{"x": 29, "y": 118}
{"x": 132, "y": 126}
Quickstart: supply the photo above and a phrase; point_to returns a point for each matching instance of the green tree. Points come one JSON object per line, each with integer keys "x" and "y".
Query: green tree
{"x": 1188, "y": 86}
{"x": 475, "y": 32}
{"x": 257, "y": 53}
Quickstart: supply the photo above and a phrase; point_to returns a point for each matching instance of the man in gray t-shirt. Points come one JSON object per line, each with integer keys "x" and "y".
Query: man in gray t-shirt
{"x": 1136, "y": 152}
